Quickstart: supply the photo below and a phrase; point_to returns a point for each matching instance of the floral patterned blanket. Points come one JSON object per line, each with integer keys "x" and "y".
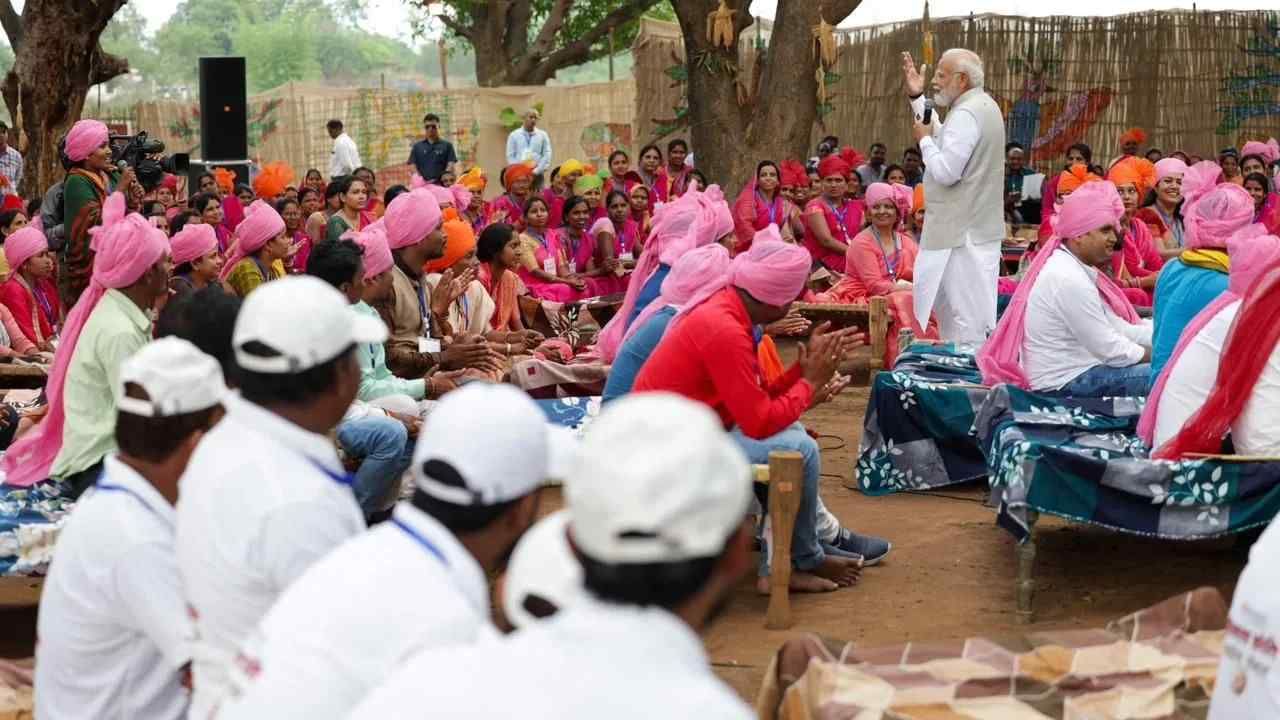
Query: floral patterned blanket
{"x": 917, "y": 432}
{"x": 30, "y": 520}
{"x": 1079, "y": 459}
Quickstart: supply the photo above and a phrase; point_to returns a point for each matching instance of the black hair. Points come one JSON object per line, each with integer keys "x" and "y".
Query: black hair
{"x": 890, "y": 168}
{"x": 535, "y": 199}
{"x": 1254, "y": 156}
{"x": 616, "y": 153}
{"x": 149, "y": 208}
{"x": 702, "y": 179}
{"x": 430, "y": 117}
{"x": 334, "y": 124}
{"x": 4, "y": 125}
{"x": 243, "y": 188}
{"x": 295, "y": 389}
{"x": 285, "y": 202}
{"x": 649, "y": 147}
{"x": 764, "y": 164}
{"x": 1260, "y": 179}
{"x": 200, "y": 201}
{"x": 372, "y": 174}
{"x": 154, "y": 439}
{"x": 1085, "y": 150}
{"x": 204, "y": 175}
{"x": 344, "y": 183}
{"x": 875, "y": 145}
{"x": 1229, "y": 152}
{"x": 34, "y": 205}
{"x": 1014, "y": 144}
{"x": 392, "y": 193}
{"x": 306, "y": 190}
{"x": 492, "y": 239}
{"x": 7, "y": 217}
{"x": 179, "y": 221}
{"x": 458, "y": 518}
{"x": 313, "y": 170}
{"x": 665, "y": 585}
{"x": 336, "y": 261}
{"x": 831, "y": 140}
{"x": 555, "y": 173}
{"x": 913, "y": 150}
{"x": 205, "y": 318}
{"x": 677, "y": 141}
{"x": 1157, "y": 151}
{"x": 333, "y": 189}
{"x": 570, "y": 204}
{"x": 608, "y": 199}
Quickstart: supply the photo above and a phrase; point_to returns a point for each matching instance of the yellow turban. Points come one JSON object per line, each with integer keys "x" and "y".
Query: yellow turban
{"x": 473, "y": 180}
{"x": 571, "y": 166}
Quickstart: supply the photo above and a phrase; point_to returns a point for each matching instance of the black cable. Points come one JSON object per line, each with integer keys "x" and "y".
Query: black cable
{"x": 930, "y": 493}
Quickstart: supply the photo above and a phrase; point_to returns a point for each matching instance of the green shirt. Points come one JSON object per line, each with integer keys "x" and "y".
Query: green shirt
{"x": 115, "y": 330}
{"x": 336, "y": 226}
{"x": 376, "y": 379}
{"x": 246, "y": 276}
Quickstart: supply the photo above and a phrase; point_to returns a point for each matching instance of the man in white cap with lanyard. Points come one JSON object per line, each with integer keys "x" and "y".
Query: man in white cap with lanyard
{"x": 420, "y": 577}
{"x": 543, "y": 577}
{"x": 113, "y": 629}
{"x": 657, "y": 500}
{"x": 265, "y": 495}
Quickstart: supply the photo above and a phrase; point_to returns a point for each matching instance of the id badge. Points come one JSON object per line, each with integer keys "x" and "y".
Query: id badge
{"x": 549, "y": 266}
{"x": 628, "y": 256}
{"x": 428, "y": 345}
{"x": 573, "y": 266}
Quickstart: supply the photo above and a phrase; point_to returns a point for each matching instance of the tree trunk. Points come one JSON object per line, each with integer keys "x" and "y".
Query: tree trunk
{"x": 57, "y": 60}
{"x": 777, "y": 123}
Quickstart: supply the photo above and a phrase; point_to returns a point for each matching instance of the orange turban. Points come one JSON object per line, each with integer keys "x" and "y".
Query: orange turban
{"x": 1138, "y": 171}
{"x": 1075, "y": 176}
{"x": 1137, "y": 135}
{"x": 272, "y": 180}
{"x": 226, "y": 179}
{"x": 459, "y": 239}
{"x": 514, "y": 172}
{"x": 917, "y": 197}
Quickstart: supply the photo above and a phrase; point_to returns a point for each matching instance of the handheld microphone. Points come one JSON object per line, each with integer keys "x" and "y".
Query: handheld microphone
{"x": 928, "y": 111}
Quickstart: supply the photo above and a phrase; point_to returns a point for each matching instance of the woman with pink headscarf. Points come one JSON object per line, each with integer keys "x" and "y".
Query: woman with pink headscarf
{"x": 1185, "y": 382}
{"x": 197, "y": 262}
{"x": 89, "y": 180}
{"x": 261, "y": 240}
{"x": 1069, "y": 329}
{"x": 833, "y": 219}
{"x": 1163, "y": 211}
{"x": 880, "y": 263}
{"x": 1211, "y": 213}
{"x": 29, "y": 293}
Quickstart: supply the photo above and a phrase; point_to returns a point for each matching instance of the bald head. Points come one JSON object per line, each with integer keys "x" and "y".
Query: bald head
{"x": 958, "y": 71}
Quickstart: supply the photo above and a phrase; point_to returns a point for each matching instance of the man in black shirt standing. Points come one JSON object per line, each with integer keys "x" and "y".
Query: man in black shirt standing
{"x": 433, "y": 155}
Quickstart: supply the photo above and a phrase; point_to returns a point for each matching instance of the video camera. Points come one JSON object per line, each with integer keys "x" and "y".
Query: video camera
{"x": 144, "y": 155}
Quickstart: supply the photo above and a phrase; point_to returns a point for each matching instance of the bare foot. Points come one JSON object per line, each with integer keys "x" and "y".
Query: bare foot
{"x": 844, "y": 571}
{"x": 801, "y": 582}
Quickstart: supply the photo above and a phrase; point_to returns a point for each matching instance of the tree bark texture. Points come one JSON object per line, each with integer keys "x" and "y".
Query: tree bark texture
{"x": 57, "y": 59}
{"x": 776, "y": 120}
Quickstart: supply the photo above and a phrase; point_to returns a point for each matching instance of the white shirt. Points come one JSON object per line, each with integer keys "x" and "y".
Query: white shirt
{"x": 523, "y": 145}
{"x": 113, "y": 630}
{"x": 346, "y": 156}
{"x": 594, "y": 660}
{"x": 262, "y": 499}
{"x": 349, "y": 622}
{"x": 1248, "y": 684}
{"x": 946, "y": 166}
{"x": 1069, "y": 329}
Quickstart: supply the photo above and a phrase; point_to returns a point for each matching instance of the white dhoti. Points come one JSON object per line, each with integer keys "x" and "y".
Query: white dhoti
{"x": 960, "y": 285}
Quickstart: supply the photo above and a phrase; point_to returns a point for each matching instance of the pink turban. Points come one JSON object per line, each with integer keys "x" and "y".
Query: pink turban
{"x": 377, "y": 253}
{"x": 1216, "y": 216}
{"x": 712, "y": 220}
{"x": 1094, "y": 205}
{"x": 1268, "y": 151}
{"x": 1170, "y": 166}
{"x": 125, "y": 247}
{"x": 441, "y": 194}
{"x": 22, "y": 246}
{"x": 261, "y": 224}
{"x": 1253, "y": 252}
{"x": 1197, "y": 181}
{"x": 192, "y": 242}
{"x": 772, "y": 272}
{"x": 461, "y": 196}
{"x": 899, "y": 195}
{"x": 705, "y": 266}
{"x": 85, "y": 137}
{"x": 411, "y": 217}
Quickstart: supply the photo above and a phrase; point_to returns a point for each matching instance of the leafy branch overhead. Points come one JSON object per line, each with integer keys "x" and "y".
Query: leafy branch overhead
{"x": 524, "y": 42}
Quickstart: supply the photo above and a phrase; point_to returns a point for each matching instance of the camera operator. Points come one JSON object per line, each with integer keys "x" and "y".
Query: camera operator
{"x": 90, "y": 179}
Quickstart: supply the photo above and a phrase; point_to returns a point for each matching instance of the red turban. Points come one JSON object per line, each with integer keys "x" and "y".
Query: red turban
{"x": 1136, "y": 134}
{"x": 793, "y": 174}
{"x": 512, "y": 173}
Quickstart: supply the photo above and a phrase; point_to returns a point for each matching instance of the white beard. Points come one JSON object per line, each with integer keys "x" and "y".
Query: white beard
{"x": 943, "y": 99}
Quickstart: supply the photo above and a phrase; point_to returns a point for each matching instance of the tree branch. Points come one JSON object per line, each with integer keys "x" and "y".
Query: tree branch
{"x": 458, "y": 29}
{"x": 516, "y": 35}
{"x": 547, "y": 35}
{"x": 580, "y": 49}
{"x": 12, "y": 23}
{"x": 105, "y": 66}
{"x": 840, "y": 9}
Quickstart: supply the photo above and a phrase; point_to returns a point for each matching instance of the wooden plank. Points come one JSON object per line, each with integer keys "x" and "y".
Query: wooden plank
{"x": 786, "y": 474}
{"x": 22, "y": 376}
{"x": 877, "y": 330}
{"x": 1233, "y": 458}
{"x": 20, "y": 591}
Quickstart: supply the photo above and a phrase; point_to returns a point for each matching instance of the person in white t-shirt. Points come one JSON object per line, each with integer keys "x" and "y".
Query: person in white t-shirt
{"x": 419, "y": 579}
{"x": 345, "y": 158}
{"x": 1248, "y": 684}
{"x": 265, "y": 495}
{"x": 113, "y": 631}
{"x": 658, "y": 498}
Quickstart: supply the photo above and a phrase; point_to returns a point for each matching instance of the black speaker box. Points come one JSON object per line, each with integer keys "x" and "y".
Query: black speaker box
{"x": 224, "y": 109}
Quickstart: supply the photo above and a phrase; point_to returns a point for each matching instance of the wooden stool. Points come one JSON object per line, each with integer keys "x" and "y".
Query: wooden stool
{"x": 872, "y": 317}
{"x": 785, "y": 477}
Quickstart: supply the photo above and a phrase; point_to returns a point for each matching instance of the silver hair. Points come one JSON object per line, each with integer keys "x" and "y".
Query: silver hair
{"x": 967, "y": 62}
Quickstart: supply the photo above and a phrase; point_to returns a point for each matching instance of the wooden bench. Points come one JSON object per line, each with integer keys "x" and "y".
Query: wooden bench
{"x": 785, "y": 477}
{"x": 872, "y": 317}
{"x": 22, "y": 376}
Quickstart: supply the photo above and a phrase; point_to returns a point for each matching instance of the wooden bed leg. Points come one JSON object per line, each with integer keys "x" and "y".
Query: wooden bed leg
{"x": 1025, "y": 585}
{"x": 786, "y": 482}
{"x": 877, "y": 332}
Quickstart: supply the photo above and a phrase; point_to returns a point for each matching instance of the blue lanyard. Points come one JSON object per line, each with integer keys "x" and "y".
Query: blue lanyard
{"x": 421, "y": 540}
{"x": 540, "y": 237}
{"x": 840, "y": 216}
{"x": 774, "y": 207}
{"x": 108, "y": 487}
{"x": 465, "y": 312}
{"x": 897, "y": 253}
{"x": 341, "y": 478}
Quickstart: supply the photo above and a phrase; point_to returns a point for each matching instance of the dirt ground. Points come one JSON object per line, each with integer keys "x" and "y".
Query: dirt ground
{"x": 950, "y": 575}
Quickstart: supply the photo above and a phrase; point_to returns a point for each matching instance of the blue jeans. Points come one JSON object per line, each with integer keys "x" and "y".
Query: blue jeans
{"x": 385, "y": 450}
{"x": 1105, "y": 381}
{"x": 806, "y": 550}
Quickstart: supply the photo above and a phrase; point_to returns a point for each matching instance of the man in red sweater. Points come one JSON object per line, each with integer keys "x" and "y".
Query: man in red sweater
{"x": 708, "y": 354}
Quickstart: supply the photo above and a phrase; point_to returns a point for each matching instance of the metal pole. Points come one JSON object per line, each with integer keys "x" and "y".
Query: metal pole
{"x": 444, "y": 63}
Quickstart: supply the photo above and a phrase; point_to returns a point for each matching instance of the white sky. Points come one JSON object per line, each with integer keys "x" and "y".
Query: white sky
{"x": 391, "y": 17}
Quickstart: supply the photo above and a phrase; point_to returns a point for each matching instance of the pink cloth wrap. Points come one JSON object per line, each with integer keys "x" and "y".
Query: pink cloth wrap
{"x": 1269, "y": 150}
{"x": 899, "y": 195}
{"x": 670, "y": 223}
{"x": 126, "y": 247}
{"x": 192, "y": 242}
{"x": 411, "y": 217}
{"x": 441, "y": 194}
{"x": 85, "y": 137}
{"x": 1252, "y": 252}
{"x": 1094, "y": 205}
{"x": 22, "y": 246}
{"x": 1216, "y": 216}
{"x": 377, "y": 253}
{"x": 1170, "y": 166}
{"x": 461, "y": 197}
{"x": 714, "y": 220}
{"x": 772, "y": 272}
{"x": 703, "y": 267}
{"x": 261, "y": 224}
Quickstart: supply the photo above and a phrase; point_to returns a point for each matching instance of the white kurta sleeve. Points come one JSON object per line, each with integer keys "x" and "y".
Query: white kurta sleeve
{"x": 958, "y": 137}
{"x": 1083, "y": 313}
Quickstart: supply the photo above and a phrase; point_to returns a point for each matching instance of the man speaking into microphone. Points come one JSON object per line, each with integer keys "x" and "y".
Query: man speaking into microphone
{"x": 959, "y": 258}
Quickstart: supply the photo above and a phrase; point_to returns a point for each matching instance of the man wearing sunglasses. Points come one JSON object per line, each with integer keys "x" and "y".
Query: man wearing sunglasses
{"x": 433, "y": 155}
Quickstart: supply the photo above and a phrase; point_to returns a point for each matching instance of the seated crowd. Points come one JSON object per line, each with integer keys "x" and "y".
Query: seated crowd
{"x": 266, "y": 394}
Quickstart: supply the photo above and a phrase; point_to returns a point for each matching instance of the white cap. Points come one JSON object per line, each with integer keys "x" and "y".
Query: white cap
{"x": 177, "y": 377}
{"x": 494, "y": 436}
{"x": 542, "y": 565}
{"x": 657, "y": 480}
{"x": 305, "y": 319}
